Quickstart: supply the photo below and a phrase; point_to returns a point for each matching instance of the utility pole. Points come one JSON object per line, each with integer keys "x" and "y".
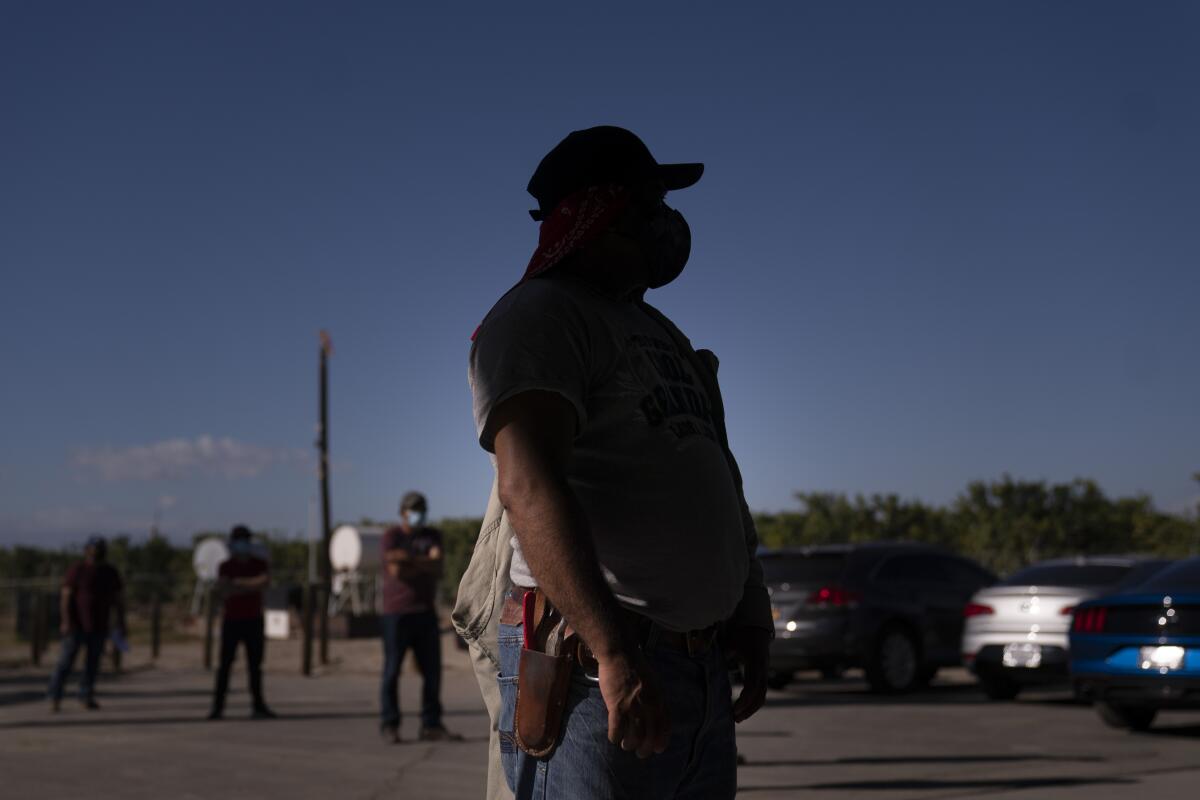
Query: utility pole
{"x": 323, "y": 470}
{"x": 306, "y": 657}
{"x": 310, "y": 582}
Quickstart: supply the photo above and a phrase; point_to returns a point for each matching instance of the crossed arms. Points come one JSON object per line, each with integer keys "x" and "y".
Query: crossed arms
{"x": 234, "y": 586}
{"x": 405, "y": 565}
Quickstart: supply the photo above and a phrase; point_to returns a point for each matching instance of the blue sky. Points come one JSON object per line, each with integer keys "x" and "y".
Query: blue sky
{"x": 935, "y": 242}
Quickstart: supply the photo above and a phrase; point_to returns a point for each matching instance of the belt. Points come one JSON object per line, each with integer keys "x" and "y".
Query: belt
{"x": 647, "y": 632}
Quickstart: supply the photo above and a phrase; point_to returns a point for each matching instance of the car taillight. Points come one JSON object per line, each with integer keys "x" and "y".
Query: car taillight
{"x": 1090, "y": 620}
{"x": 832, "y": 596}
{"x": 977, "y": 610}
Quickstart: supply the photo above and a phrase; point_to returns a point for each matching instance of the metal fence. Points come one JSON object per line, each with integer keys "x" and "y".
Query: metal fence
{"x": 30, "y": 615}
{"x": 158, "y": 609}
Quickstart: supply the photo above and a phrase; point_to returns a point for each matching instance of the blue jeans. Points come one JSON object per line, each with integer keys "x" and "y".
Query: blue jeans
{"x": 71, "y": 644}
{"x": 700, "y": 762}
{"x": 420, "y": 632}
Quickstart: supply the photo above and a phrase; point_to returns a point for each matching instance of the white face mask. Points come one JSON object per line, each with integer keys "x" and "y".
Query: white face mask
{"x": 415, "y": 518}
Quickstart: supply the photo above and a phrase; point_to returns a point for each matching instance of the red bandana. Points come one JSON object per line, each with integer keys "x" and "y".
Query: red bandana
{"x": 579, "y": 219}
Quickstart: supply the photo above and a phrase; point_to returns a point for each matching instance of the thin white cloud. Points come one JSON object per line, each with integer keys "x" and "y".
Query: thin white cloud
{"x": 183, "y": 458}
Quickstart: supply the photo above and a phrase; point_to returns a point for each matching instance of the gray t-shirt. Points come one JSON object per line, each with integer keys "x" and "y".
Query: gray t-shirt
{"x": 647, "y": 465}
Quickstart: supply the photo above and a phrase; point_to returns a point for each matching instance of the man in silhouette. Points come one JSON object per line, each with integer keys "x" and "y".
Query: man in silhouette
{"x": 616, "y": 495}
{"x": 412, "y": 559}
{"x": 91, "y": 592}
{"x": 241, "y": 580}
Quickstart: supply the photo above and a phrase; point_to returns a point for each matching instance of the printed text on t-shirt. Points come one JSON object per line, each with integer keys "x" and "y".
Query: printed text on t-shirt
{"x": 672, "y": 394}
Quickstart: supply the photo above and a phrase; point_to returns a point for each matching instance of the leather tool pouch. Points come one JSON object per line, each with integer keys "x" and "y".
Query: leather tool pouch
{"x": 542, "y": 684}
{"x": 543, "y": 681}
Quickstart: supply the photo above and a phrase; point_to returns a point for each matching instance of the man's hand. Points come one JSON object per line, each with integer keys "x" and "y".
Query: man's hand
{"x": 637, "y": 717}
{"x": 398, "y": 563}
{"x": 750, "y": 646}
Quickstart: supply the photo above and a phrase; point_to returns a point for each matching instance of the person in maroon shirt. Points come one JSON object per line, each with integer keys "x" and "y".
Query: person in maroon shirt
{"x": 241, "y": 580}
{"x": 91, "y": 591}
{"x": 412, "y": 560}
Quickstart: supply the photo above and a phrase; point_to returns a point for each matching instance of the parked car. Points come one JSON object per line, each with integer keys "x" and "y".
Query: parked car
{"x": 1138, "y": 652}
{"x": 1016, "y": 631}
{"x": 893, "y": 609}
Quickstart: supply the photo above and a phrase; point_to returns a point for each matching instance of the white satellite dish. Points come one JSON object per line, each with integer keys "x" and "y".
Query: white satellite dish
{"x": 207, "y": 557}
{"x": 353, "y": 549}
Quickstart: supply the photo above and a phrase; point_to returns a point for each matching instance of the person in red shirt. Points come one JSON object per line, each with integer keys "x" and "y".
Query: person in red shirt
{"x": 412, "y": 560}
{"x": 241, "y": 580}
{"x": 91, "y": 591}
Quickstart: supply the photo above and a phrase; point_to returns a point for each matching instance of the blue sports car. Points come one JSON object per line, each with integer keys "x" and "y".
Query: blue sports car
{"x": 1138, "y": 652}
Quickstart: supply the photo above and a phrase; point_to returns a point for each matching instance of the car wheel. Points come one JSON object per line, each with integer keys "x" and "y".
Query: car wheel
{"x": 833, "y": 672}
{"x": 779, "y": 680}
{"x": 1135, "y": 718}
{"x": 895, "y": 665}
{"x": 1000, "y": 688}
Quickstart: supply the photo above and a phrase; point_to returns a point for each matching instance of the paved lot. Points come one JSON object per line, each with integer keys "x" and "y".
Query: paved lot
{"x": 815, "y": 740}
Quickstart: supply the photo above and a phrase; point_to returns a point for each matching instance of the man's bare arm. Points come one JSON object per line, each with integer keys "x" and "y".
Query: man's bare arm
{"x": 533, "y": 434}
{"x": 228, "y": 586}
{"x": 252, "y": 583}
{"x": 395, "y": 555}
{"x": 402, "y": 564}
{"x": 431, "y": 563}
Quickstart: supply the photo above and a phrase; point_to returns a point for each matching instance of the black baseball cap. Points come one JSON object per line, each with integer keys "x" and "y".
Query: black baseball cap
{"x": 600, "y": 155}
{"x": 413, "y": 500}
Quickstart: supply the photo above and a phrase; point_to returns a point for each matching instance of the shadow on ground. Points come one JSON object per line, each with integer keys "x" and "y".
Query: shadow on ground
{"x": 864, "y": 761}
{"x": 893, "y": 784}
{"x": 856, "y": 692}
{"x": 100, "y": 718}
{"x": 1185, "y": 731}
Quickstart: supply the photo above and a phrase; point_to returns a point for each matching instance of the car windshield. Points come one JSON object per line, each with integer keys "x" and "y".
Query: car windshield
{"x": 1068, "y": 575}
{"x": 798, "y": 568}
{"x": 1181, "y": 577}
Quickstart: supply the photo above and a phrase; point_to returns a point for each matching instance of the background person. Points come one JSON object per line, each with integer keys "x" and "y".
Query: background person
{"x": 412, "y": 558}
{"x": 241, "y": 580}
{"x": 91, "y": 591}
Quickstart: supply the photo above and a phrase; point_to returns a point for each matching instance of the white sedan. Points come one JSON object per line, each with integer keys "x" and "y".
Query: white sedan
{"x": 1016, "y": 631}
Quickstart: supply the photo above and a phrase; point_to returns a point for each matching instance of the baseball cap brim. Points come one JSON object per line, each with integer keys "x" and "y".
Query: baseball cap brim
{"x": 679, "y": 176}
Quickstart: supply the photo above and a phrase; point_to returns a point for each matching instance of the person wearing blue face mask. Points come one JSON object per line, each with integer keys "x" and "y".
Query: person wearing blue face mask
{"x": 241, "y": 581}
{"x": 412, "y": 559}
